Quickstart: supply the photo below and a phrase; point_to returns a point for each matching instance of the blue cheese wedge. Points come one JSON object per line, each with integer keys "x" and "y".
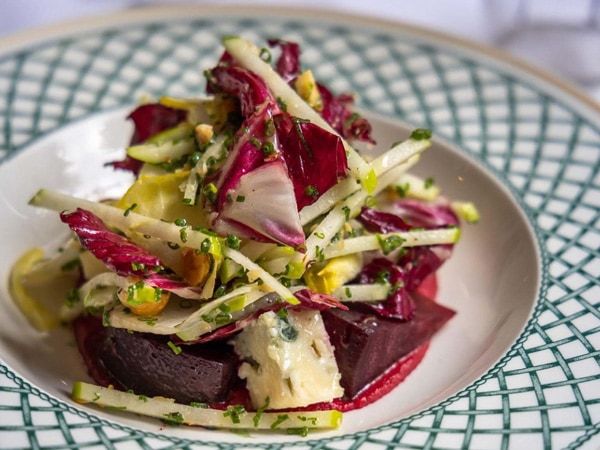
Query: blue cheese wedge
{"x": 288, "y": 360}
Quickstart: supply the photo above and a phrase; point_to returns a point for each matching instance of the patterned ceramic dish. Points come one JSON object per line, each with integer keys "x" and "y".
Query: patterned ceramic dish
{"x": 517, "y": 367}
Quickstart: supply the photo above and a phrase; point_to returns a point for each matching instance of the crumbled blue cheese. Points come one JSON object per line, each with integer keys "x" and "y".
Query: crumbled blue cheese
{"x": 288, "y": 360}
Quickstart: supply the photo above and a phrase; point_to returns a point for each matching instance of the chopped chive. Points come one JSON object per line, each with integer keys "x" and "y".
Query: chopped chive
{"x": 280, "y": 419}
{"x": 298, "y": 431}
{"x": 268, "y": 148}
{"x": 205, "y": 246}
{"x": 198, "y": 405}
{"x": 183, "y": 234}
{"x": 176, "y": 349}
{"x": 72, "y": 297}
{"x": 219, "y": 292}
{"x": 234, "y": 412}
{"x": 311, "y": 191}
{"x": 259, "y": 412}
{"x": 233, "y": 242}
{"x": 128, "y": 210}
{"x": 421, "y": 134}
{"x": 269, "y": 128}
{"x": 72, "y": 264}
{"x": 402, "y": 190}
{"x": 265, "y": 55}
{"x": 254, "y": 141}
{"x": 210, "y": 192}
{"x": 346, "y": 210}
{"x": 390, "y": 243}
{"x": 150, "y": 321}
{"x": 174, "y": 418}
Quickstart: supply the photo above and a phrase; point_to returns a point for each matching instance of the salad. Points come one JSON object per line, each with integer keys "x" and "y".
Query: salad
{"x": 259, "y": 272}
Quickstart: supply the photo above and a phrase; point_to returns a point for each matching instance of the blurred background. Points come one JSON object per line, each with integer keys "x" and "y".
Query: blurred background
{"x": 561, "y": 36}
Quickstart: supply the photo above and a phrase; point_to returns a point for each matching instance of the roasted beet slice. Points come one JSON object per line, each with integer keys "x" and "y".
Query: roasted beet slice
{"x": 367, "y": 344}
{"x": 90, "y": 335}
{"x": 147, "y": 365}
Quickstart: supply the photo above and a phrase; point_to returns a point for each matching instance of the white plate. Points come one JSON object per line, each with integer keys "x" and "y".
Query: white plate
{"x": 515, "y": 368}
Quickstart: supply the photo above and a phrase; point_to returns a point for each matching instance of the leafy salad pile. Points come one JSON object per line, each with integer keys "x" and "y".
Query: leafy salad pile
{"x": 250, "y": 209}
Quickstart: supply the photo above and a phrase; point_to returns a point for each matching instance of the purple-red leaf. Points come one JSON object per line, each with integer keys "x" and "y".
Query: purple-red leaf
{"x": 247, "y": 87}
{"x": 255, "y": 196}
{"x": 376, "y": 221}
{"x": 247, "y": 152}
{"x": 149, "y": 120}
{"x": 288, "y": 63}
{"x": 315, "y": 158}
{"x": 337, "y": 111}
{"x": 115, "y": 251}
{"x": 262, "y": 201}
{"x": 121, "y": 255}
{"x": 152, "y": 118}
{"x": 420, "y": 262}
{"x": 418, "y": 214}
{"x": 399, "y": 304}
{"x": 314, "y": 300}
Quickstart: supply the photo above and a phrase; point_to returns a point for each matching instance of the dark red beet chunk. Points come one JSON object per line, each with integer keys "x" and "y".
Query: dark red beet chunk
{"x": 147, "y": 365}
{"x": 367, "y": 344}
{"x": 90, "y": 335}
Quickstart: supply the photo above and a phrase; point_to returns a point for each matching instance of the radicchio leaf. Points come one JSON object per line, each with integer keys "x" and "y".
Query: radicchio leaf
{"x": 269, "y": 136}
{"x": 255, "y": 196}
{"x": 315, "y": 300}
{"x": 414, "y": 264}
{"x": 288, "y": 63}
{"x": 418, "y": 214}
{"x": 376, "y": 221}
{"x": 149, "y": 120}
{"x": 128, "y": 164}
{"x": 263, "y": 202}
{"x": 399, "y": 304}
{"x": 152, "y": 118}
{"x": 315, "y": 158}
{"x": 247, "y": 152}
{"x": 226, "y": 330}
{"x": 337, "y": 111}
{"x": 247, "y": 87}
{"x": 115, "y": 251}
{"x": 120, "y": 255}
{"x": 420, "y": 262}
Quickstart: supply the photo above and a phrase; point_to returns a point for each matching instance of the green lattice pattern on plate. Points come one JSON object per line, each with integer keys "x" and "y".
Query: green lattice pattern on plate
{"x": 548, "y": 154}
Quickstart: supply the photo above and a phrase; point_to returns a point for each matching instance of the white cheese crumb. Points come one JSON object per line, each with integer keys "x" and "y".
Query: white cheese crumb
{"x": 290, "y": 372}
